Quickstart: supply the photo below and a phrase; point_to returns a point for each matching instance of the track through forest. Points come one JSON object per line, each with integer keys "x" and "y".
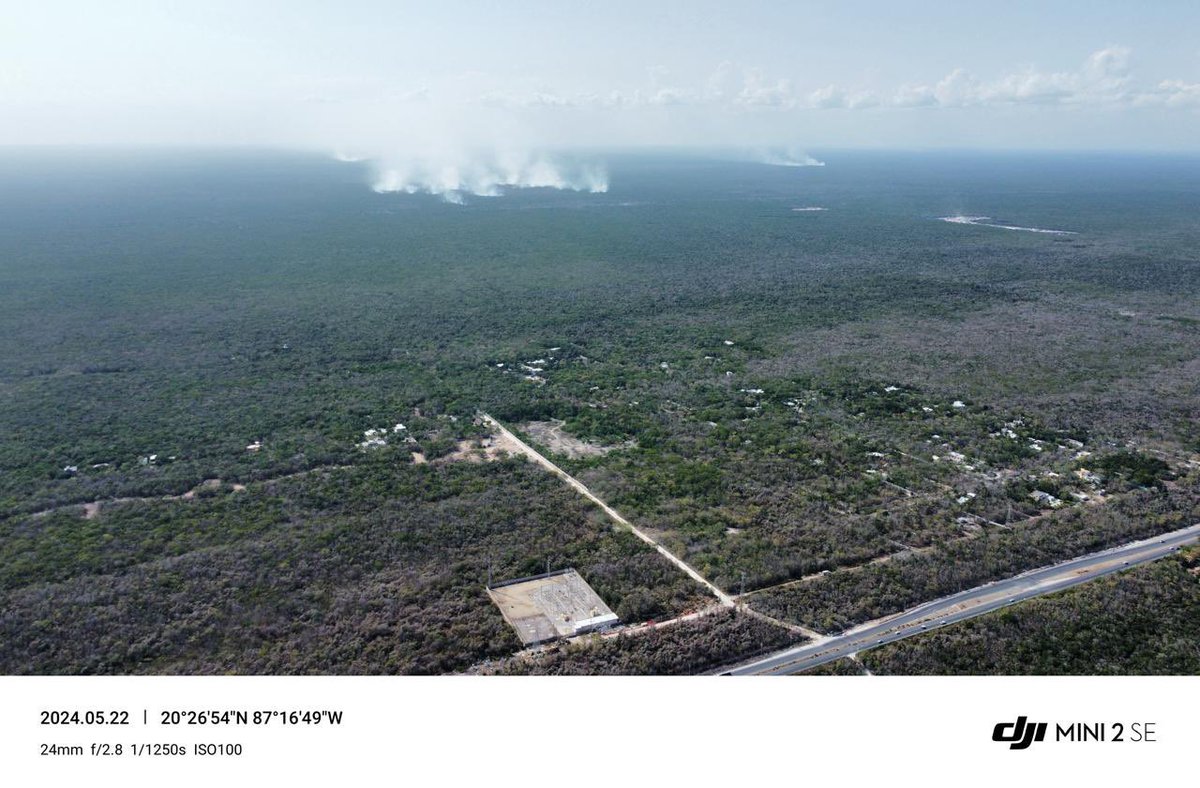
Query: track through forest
{"x": 518, "y": 446}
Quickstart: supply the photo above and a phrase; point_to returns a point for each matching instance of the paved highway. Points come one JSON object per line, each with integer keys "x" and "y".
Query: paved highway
{"x": 968, "y": 604}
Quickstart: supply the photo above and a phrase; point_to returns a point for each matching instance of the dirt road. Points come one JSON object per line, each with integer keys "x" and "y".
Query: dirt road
{"x": 518, "y": 446}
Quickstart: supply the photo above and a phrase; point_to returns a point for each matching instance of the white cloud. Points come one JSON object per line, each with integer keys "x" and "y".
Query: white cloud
{"x": 1031, "y": 87}
{"x": 1172, "y": 93}
{"x": 667, "y": 97}
{"x": 914, "y": 96}
{"x": 862, "y": 100}
{"x": 957, "y": 89}
{"x": 1103, "y": 79}
{"x": 757, "y": 92}
{"x": 1109, "y": 63}
{"x": 723, "y": 84}
{"x": 828, "y": 97}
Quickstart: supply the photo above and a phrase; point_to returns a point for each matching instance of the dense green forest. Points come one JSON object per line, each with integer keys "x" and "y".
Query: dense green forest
{"x": 235, "y": 391}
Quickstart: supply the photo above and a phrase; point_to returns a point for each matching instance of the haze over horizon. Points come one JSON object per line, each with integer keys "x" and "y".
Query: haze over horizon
{"x": 472, "y": 95}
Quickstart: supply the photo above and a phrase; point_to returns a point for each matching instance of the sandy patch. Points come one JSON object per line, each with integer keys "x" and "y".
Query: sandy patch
{"x": 550, "y": 434}
{"x": 476, "y": 450}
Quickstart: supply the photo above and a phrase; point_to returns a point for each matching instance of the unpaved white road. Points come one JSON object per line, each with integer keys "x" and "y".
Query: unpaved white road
{"x": 91, "y": 509}
{"x": 519, "y": 446}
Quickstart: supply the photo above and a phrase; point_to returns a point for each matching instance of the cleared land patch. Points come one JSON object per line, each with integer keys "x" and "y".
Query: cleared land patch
{"x": 476, "y": 450}
{"x": 551, "y": 435}
{"x": 550, "y": 606}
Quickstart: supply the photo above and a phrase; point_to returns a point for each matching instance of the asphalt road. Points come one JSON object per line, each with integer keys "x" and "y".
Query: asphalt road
{"x": 968, "y": 604}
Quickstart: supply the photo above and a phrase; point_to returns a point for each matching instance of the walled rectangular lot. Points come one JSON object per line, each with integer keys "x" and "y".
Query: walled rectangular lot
{"x": 550, "y": 606}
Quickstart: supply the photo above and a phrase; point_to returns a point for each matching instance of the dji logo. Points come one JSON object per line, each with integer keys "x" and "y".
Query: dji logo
{"x": 1023, "y": 733}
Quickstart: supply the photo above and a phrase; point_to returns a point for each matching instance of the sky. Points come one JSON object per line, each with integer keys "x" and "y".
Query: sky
{"x": 418, "y": 84}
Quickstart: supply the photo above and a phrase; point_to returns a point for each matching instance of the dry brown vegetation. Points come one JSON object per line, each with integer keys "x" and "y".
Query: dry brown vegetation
{"x": 689, "y": 647}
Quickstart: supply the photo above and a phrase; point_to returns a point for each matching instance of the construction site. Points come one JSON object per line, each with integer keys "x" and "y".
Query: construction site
{"x": 550, "y": 606}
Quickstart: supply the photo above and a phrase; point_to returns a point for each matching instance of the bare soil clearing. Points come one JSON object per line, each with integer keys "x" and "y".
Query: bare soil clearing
{"x": 474, "y": 450}
{"x": 551, "y": 435}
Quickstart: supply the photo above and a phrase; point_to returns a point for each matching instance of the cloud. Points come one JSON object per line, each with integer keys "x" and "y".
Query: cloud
{"x": 834, "y": 97}
{"x": 1108, "y": 63}
{"x": 828, "y": 97}
{"x": 1172, "y": 93}
{"x": 666, "y": 97}
{"x": 956, "y": 89}
{"x": 759, "y": 92}
{"x": 914, "y": 96}
{"x": 1103, "y": 79}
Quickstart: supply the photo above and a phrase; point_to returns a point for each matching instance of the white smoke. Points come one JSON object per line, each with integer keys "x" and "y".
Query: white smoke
{"x": 484, "y": 174}
{"x": 786, "y": 157}
{"x": 986, "y": 221}
{"x": 480, "y": 137}
{"x": 782, "y": 156}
